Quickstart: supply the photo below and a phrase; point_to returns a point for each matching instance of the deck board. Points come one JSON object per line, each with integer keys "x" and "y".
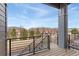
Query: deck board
{"x": 56, "y": 51}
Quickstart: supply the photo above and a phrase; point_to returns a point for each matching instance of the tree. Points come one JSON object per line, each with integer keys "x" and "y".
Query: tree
{"x": 37, "y": 32}
{"x": 8, "y": 34}
{"x": 74, "y": 31}
{"x": 24, "y": 34}
{"x": 13, "y": 33}
{"x": 31, "y": 33}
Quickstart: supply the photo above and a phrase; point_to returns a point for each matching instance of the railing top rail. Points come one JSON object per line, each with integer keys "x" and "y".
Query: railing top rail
{"x": 22, "y": 37}
{"x": 28, "y": 36}
{"x": 74, "y": 47}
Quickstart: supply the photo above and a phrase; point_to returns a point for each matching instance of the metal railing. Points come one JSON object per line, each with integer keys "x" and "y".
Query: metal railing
{"x": 73, "y": 41}
{"x": 17, "y": 46}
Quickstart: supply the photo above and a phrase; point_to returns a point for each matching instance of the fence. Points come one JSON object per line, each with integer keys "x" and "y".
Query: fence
{"x": 73, "y": 41}
{"x": 31, "y": 45}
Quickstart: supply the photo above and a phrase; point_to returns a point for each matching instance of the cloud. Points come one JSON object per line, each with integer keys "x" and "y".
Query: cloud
{"x": 43, "y": 23}
{"x": 73, "y": 11}
{"x": 39, "y": 12}
{"x": 36, "y": 20}
{"x": 73, "y": 8}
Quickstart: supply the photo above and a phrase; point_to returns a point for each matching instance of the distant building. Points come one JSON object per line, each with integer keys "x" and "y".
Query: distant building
{"x": 46, "y": 30}
{"x": 18, "y": 30}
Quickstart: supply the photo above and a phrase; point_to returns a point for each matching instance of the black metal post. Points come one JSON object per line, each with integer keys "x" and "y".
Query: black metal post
{"x": 5, "y": 29}
{"x": 29, "y": 48}
{"x": 42, "y": 40}
{"x": 68, "y": 41}
{"x": 33, "y": 45}
{"x": 48, "y": 42}
{"x": 9, "y": 47}
{"x": 57, "y": 39}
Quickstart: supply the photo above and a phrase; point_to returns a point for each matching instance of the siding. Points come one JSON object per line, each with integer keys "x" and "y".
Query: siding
{"x": 2, "y": 29}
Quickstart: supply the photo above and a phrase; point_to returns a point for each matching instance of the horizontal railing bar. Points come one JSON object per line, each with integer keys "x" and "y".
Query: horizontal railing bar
{"x": 19, "y": 45}
{"x": 15, "y": 47}
{"x": 74, "y": 47}
{"x": 22, "y": 37}
{"x": 20, "y": 42}
{"x": 25, "y": 53}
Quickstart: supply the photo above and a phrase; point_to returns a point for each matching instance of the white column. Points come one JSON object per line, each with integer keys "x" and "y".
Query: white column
{"x": 63, "y": 26}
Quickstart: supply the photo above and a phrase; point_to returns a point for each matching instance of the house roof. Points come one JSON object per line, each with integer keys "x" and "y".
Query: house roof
{"x": 56, "y": 5}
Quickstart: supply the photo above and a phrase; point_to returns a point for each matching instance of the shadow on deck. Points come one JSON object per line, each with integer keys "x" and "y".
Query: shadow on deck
{"x": 56, "y": 51}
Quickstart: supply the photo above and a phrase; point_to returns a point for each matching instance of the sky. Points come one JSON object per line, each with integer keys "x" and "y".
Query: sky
{"x": 31, "y": 15}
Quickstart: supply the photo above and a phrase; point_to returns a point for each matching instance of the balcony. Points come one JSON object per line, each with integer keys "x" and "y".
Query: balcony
{"x": 44, "y": 45}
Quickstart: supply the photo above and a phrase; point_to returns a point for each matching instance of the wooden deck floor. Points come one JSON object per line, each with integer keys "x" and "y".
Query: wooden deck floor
{"x": 56, "y": 51}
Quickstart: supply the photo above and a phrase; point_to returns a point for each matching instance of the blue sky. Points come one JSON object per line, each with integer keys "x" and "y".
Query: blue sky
{"x": 39, "y": 15}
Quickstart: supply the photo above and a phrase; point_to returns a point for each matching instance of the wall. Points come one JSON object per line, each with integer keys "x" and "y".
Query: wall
{"x": 2, "y": 30}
